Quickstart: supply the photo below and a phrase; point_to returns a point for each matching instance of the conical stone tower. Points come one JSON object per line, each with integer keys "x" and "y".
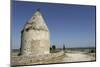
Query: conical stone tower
{"x": 35, "y": 39}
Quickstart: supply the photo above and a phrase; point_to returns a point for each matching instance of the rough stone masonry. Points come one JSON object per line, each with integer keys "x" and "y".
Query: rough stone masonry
{"x": 35, "y": 38}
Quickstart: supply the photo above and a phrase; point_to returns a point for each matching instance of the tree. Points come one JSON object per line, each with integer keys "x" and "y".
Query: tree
{"x": 63, "y": 46}
{"x": 53, "y": 47}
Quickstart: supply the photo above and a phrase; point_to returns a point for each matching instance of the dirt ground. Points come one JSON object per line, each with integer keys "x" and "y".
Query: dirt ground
{"x": 73, "y": 56}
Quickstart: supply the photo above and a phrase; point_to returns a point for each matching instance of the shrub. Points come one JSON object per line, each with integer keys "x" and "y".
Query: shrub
{"x": 53, "y": 47}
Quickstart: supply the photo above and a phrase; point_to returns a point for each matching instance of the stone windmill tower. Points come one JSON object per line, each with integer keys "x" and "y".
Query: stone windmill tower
{"x": 35, "y": 39}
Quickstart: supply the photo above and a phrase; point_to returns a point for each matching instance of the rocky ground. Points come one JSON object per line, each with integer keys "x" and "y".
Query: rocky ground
{"x": 70, "y": 56}
{"x": 74, "y": 57}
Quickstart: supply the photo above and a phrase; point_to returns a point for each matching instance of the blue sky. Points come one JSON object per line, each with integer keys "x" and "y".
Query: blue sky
{"x": 72, "y": 25}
